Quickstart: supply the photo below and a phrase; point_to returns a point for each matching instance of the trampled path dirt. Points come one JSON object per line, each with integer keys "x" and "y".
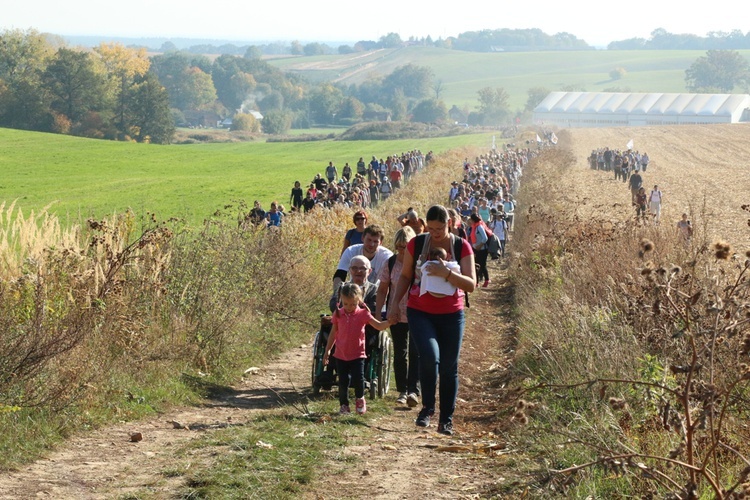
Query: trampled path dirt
{"x": 402, "y": 462}
{"x": 106, "y": 464}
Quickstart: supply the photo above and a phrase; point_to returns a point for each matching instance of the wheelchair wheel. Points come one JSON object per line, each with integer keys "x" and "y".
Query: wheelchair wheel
{"x": 384, "y": 367}
{"x": 317, "y": 364}
{"x": 373, "y": 388}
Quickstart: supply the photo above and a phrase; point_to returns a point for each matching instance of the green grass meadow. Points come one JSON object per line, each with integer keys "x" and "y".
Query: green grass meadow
{"x": 82, "y": 178}
{"x": 463, "y": 73}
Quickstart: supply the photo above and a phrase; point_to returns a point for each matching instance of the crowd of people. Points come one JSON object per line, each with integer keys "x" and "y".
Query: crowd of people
{"x": 622, "y": 163}
{"x": 630, "y": 166}
{"x": 364, "y": 186}
{"x": 420, "y": 291}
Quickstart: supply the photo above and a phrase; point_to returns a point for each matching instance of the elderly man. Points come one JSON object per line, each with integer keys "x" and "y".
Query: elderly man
{"x": 359, "y": 271}
{"x": 376, "y": 255}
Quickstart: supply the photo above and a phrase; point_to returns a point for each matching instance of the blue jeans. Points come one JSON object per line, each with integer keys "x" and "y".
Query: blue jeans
{"x": 438, "y": 339}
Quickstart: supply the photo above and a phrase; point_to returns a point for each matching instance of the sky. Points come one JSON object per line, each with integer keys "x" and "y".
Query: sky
{"x": 596, "y": 22}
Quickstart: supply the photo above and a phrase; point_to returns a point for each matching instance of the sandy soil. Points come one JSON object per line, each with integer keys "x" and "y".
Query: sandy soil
{"x": 106, "y": 464}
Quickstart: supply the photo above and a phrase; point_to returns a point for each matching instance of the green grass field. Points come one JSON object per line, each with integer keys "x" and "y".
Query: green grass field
{"x": 85, "y": 178}
{"x": 464, "y": 73}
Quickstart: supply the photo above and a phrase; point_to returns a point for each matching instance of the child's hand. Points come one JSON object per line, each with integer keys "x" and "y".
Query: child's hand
{"x": 325, "y": 359}
{"x": 393, "y": 316}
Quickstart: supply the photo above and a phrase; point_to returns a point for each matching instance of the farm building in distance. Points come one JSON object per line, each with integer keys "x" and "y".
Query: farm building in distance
{"x": 617, "y": 109}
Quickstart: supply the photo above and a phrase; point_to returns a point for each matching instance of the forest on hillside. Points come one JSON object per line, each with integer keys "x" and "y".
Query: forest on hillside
{"x": 123, "y": 93}
{"x": 112, "y": 91}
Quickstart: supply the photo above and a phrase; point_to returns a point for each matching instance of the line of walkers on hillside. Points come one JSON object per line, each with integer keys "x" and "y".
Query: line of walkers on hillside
{"x": 363, "y": 185}
{"x": 422, "y": 289}
{"x": 630, "y": 166}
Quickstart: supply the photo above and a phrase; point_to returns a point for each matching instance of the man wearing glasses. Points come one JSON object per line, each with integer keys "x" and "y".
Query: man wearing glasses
{"x": 359, "y": 271}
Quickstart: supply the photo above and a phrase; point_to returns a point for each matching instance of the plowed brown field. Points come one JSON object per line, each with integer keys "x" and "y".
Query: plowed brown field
{"x": 688, "y": 162}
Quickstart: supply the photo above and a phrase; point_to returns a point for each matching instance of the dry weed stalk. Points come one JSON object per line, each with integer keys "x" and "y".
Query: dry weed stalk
{"x": 63, "y": 296}
{"x": 664, "y": 327}
{"x": 702, "y": 315}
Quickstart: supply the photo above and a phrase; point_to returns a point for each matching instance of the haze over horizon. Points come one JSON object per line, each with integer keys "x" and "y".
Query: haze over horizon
{"x": 335, "y": 20}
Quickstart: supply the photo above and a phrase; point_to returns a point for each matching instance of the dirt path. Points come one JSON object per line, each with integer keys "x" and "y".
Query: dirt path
{"x": 106, "y": 463}
{"x": 409, "y": 462}
{"x": 401, "y": 462}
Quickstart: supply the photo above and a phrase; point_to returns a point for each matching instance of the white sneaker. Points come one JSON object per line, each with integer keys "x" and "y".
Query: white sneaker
{"x": 412, "y": 400}
{"x": 401, "y": 398}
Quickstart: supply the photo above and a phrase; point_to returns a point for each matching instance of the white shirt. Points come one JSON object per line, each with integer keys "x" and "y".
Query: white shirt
{"x": 376, "y": 263}
{"x": 437, "y": 284}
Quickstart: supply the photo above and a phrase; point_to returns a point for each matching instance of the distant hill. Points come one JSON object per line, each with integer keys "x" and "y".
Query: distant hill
{"x": 463, "y": 73}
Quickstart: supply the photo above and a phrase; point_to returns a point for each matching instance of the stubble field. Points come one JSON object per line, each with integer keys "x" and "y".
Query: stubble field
{"x": 689, "y": 163}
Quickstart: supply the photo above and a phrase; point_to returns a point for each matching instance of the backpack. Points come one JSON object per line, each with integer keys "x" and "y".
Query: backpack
{"x": 493, "y": 246}
{"x": 490, "y": 234}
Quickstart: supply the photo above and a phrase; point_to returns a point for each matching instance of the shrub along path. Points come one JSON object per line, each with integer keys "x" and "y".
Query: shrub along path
{"x": 391, "y": 459}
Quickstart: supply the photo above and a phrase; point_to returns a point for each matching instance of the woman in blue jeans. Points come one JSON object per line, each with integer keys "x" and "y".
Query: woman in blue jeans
{"x": 436, "y": 315}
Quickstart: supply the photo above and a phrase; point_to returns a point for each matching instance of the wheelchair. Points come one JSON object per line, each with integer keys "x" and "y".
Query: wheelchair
{"x": 377, "y": 366}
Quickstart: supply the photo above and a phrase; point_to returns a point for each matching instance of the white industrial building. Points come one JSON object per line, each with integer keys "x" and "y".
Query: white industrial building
{"x": 616, "y": 109}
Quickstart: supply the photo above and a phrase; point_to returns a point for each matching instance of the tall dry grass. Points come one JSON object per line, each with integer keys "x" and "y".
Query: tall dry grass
{"x": 107, "y": 319}
{"x": 635, "y": 341}
{"x": 133, "y": 297}
{"x": 426, "y": 188}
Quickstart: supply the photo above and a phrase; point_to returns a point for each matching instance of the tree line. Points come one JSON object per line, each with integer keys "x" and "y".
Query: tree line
{"x": 661, "y": 39}
{"x": 118, "y": 92}
{"x": 106, "y": 93}
{"x": 475, "y": 41}
{"x": 489, "y": 40}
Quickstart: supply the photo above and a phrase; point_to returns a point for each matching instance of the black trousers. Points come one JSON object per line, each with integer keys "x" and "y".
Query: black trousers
{"x": 405, "y": 359}
{"x": 480, "y": 259}
{"x": 354, "y": 370}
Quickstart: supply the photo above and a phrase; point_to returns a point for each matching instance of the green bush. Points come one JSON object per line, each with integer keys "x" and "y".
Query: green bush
{"x": 245, "y": 122}
{"x": 277, "y": 122}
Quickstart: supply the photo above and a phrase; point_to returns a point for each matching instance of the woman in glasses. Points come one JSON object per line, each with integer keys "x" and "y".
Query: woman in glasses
{"x": 354, "y": 235}
{"x": 436, "y": 323}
